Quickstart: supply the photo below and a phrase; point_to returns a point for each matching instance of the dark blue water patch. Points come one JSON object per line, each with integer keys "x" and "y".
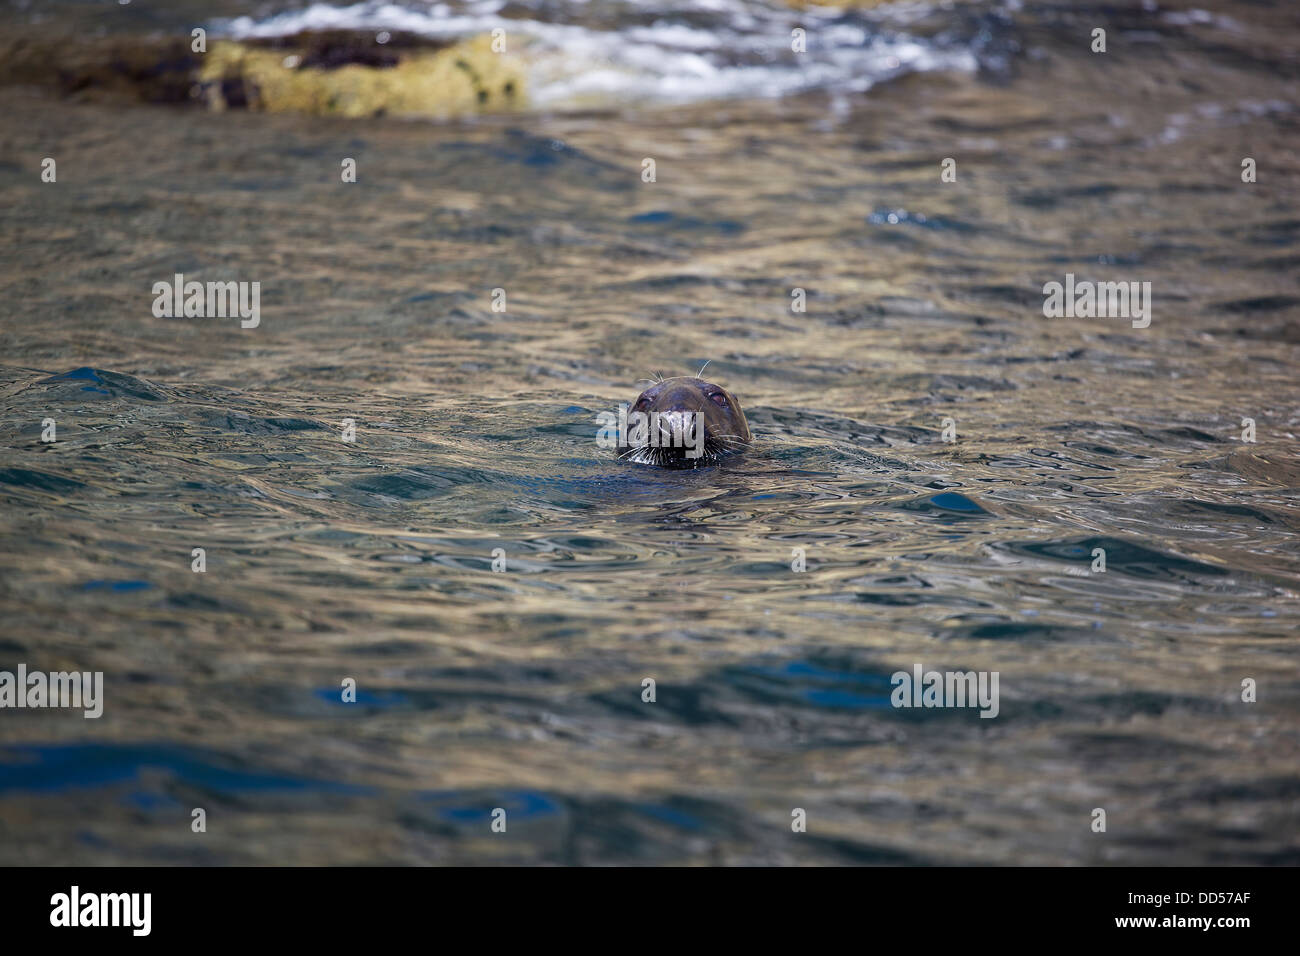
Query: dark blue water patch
{"x": 802, "y": 668}
{"x": 38, "y": 480}
{"x": 91, "y": 839}
{"x": 830, "y": 684}
{"x": 60, "y": 767}
{"x": 840, "y": 699}
{"x": 949, "y": 505}
{"x": 954, "y": 501}
{"x": 545, "y": 155}
{"x": 1034, "y": 632}
{"x": 102, "y": 382}
{"x": 370, "y": 700}
{"x": 542, "y": 152}
{"x": 121, "y": 587}
{"x": 465, "y": 808}
{"x": 85, "y": 372}
{"x": 1122, "y": 556}
{"x": 671, "y": 815}
{"x": 727, "y": 227}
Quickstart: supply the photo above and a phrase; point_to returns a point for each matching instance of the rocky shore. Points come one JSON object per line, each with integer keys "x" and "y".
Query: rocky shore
{"x": 338, "y": 73}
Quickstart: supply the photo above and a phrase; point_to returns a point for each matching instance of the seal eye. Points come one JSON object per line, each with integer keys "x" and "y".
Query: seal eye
{"x": 719, "y": 399}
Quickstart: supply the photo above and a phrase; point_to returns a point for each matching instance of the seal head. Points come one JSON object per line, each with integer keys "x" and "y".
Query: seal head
{"x": 684, "y": 422}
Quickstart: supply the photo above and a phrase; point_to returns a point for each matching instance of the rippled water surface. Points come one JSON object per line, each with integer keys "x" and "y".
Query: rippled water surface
{"x": 475, "y": 431}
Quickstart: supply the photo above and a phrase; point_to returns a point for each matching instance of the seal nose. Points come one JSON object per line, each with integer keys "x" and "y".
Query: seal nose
{"x": 678, "y": 409}
{"x": 676, "y": 427}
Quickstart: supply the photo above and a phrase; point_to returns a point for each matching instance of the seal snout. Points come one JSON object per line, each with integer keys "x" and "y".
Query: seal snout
{"x": 678, "y": 425}
{"x": 684, "y": 422}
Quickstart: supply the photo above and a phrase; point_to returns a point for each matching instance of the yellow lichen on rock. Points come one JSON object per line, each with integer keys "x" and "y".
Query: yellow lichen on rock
{"x": 465, "y": 78}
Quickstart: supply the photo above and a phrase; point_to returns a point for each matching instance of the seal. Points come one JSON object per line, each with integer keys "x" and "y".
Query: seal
{"x": 684, "y": 422}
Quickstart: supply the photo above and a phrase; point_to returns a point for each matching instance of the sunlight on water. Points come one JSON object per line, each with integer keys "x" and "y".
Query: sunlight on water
{"x": 474, "y": 431}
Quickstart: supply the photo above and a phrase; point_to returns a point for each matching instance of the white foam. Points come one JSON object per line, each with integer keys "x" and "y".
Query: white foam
{"x": 723, "y": 49}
